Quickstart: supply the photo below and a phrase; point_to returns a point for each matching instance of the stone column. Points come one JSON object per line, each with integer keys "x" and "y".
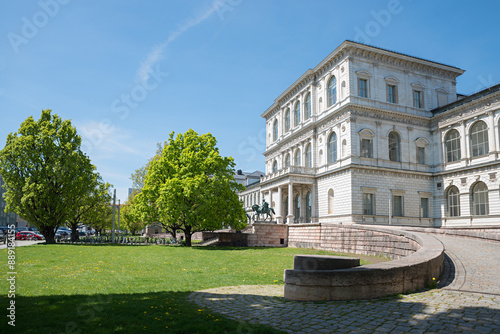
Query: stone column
{"x": 279, "y": 217}
{"x": 376, "y": 142}
{"x": 464, "y": 142}
{"x": 303, "y": 204}
{"x": 271, "y": 201}
{"x": 314, "y": 206}
{"x": 491, "y": 133}
{"x": 289, "y": 216}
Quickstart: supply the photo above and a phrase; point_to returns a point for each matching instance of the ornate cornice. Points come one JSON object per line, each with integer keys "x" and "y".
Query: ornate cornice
{"x": 466, "y": 111}
{"x": 350, "y": 51}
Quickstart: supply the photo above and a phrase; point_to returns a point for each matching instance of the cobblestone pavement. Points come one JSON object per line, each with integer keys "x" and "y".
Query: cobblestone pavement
{"x": 469, "y": 301}
{"x": 476, "y": 264}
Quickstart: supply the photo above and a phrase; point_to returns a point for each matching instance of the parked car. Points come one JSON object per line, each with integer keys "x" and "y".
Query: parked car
{"x": 29, "y": 235}
{"x": 63, "y": 231}
{"x": 60, "y": 235}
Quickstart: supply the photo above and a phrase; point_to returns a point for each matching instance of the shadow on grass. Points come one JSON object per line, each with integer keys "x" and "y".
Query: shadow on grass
{"x": 161, "y": 312}
{"x": 231, "y": 248}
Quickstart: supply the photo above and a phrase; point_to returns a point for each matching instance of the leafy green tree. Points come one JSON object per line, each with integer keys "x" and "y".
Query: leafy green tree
{"x": 139, "y": 176}
{"x": 191, "y": 186}
{"x": 131, "y": 218}
{"x": 45, "y": 172}
{"x": 87, "y": 207}
{"x": 100, "y": 218}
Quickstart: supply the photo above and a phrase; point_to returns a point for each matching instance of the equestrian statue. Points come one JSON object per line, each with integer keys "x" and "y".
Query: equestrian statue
{"x": 262, "y": 210}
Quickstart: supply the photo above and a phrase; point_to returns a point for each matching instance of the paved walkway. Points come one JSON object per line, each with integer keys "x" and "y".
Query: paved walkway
{"x": 468, "y": 302}
{"x": 20, "y": 243}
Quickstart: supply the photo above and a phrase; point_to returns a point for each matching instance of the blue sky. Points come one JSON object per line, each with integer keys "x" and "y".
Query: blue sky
{"x": 129, "y": 72}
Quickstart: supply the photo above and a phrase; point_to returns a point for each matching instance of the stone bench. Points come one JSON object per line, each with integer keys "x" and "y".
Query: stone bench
{"x": 318, "y": 278}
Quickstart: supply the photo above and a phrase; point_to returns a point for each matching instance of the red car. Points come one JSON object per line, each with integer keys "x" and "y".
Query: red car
{"x": 28, "y": 235}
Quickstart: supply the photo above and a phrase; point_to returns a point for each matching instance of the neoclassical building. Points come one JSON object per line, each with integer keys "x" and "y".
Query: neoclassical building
{"x": 378, "y": 137}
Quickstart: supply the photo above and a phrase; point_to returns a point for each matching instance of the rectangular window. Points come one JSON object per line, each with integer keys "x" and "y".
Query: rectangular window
{"x": 391, "y": 94}
{"x": 363, "y": 87}
{"x": 366, "y": 148}
{"x": 418, "y": 99}
{"x": 421, "y": 155}
{"x": 397, "y": 206}
{"x": 368, "y": 204}
{"x": 424, "y": 207}
{"x": 442, "y": 99}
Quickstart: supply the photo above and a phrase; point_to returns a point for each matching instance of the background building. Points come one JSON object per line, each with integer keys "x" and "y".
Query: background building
{"x": 8, "y": 218}
{"x": 378, "y": 137}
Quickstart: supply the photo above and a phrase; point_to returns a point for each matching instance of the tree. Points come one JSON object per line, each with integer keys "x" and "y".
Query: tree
{"x": 45, "y": 172}
{"x": 191, "y": 186}
{"x": 100, "y": 218}
{"x": 130, "y": 217}
{"x": 139, "y": 176}
{"x": 87, "y": 207}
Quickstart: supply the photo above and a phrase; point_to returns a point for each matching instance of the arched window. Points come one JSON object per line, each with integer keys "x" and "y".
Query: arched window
{"x": 307, "y": 106}
{"x": 296, "y": 159}
{"x": 308, "y": 207}
{"x": 275, "y": 166}
{"x": 308, "y": 156}
{"x": 275, "y": 130}
{"x": 296, "y": 206}
{"x": 394, "y": 146}
{"x": 479, "y": 199}
{"x": 479, "y": 139}
{"x": 296, "y": 114}
{"x": 287, "y": 161}
{"x": 452, "y": 146}
{"x": 332, "y": 148}
{"x": 287, "y": 120}
{"x": 330, "y": 201}
{"x": 332, "y": 91}
{"x": 453, "y": 202}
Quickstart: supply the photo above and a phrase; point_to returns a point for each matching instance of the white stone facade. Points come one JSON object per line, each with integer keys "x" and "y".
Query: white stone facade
{"x": 375, "y": 136}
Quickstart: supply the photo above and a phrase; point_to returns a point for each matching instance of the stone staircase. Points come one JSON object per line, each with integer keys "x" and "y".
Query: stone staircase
{"x": 210, "y": 242}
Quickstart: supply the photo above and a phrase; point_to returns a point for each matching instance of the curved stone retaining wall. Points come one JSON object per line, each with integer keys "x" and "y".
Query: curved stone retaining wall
{"x": 355, "y": 239}
{"x": 419, "y": 261}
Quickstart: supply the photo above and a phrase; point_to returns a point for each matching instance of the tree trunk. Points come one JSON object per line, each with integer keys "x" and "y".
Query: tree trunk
{"x": 171, "y": 230}
{"x": 74, "y": 233}
{"x": 49, "y": 233}
{"x": 188, "y": 235}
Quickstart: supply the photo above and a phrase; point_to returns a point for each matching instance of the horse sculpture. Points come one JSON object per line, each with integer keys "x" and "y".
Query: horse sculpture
{"x": 262, "y": 210}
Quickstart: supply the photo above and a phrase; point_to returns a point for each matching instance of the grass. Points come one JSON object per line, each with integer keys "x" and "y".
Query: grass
{"x": 128, "y": 289}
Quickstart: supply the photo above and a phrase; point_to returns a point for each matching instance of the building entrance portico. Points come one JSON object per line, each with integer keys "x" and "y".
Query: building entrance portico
{"x": 293, "y": 200}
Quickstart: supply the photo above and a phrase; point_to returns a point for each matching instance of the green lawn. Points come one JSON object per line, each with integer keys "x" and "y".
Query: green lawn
{"x": 129, "y": 289}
